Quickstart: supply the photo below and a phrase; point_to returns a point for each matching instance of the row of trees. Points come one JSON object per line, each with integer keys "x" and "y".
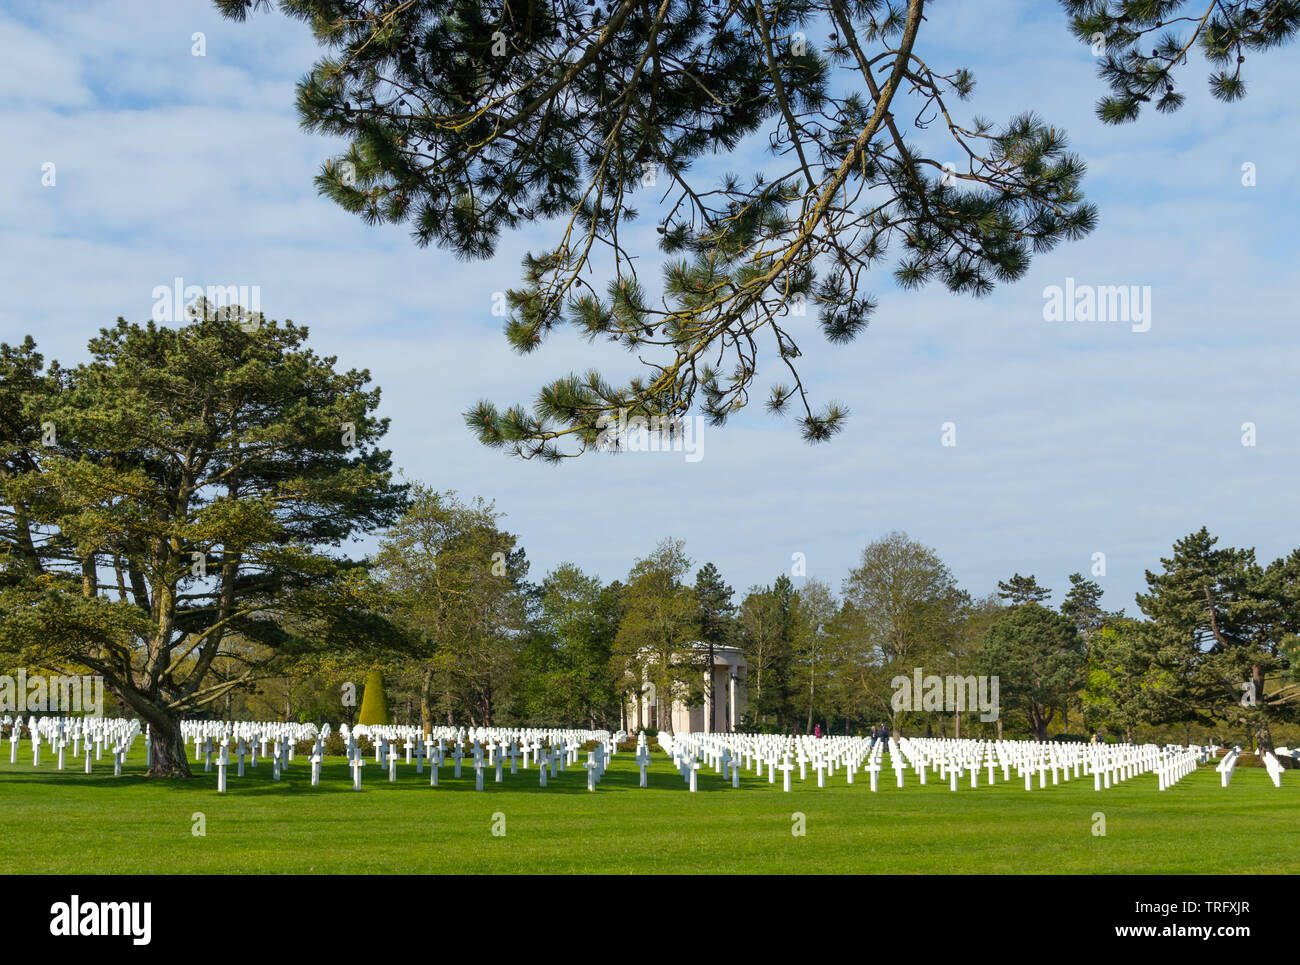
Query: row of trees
{"x": 1214, "y": 645}
{"x": 174, "y": 514}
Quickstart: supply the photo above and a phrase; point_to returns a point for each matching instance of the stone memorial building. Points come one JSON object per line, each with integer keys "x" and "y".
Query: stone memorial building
{"x": 683, "y": 714}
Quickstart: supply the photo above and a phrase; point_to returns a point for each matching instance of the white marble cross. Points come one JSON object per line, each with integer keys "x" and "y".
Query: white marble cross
{"x": 874, "y": 770}
{"x": 357, "y": 763}
{"x": 786, "y": 767}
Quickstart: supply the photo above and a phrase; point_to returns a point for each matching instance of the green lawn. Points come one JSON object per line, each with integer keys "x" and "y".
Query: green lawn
{"x": 69, "y": 822}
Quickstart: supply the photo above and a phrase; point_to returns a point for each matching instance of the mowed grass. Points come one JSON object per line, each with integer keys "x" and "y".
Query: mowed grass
{"x": 70, "y": 822}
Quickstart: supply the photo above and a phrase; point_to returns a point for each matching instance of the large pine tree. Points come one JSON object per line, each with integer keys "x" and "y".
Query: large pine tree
{"x": 179, "y": 498}
{"x": 1233, "y": 621}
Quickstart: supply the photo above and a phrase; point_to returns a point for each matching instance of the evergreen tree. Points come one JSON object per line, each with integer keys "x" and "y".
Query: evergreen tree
{"x": 1082, "y": 606}
{"x": 768, "y": 633}
{"x": 1233, "y": 619}
{"x": 1134, "y": 678}
{"x": 170, "y": 509}
{"x": 374, "y": 702}
{"x": 715, "y": 617}
{"x": 1038, "y": 658}
{"x": 1022, "y": 589}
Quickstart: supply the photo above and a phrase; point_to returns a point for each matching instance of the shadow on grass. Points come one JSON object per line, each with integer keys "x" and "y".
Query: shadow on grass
{"x": 336, "y": 778}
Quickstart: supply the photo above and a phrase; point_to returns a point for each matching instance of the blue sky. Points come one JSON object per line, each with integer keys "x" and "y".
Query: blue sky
{"x": 1072, "y": 438}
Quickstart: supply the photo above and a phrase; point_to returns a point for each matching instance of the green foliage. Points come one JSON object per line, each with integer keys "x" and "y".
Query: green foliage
{"x": 1022, "y": 589}
{"x": 454, "y": 581}
{"x": 1038, "y": 657}
{"x": 902, "y": 610}
{"x": 653, "y": 645}
{"x": 568, "y": 660}
{"x": 170, "y": 509}
{"x": 374, "y": 702}
{"x": 1122, "y": 31}
{"x": 1232, "y": 624}
{"x": 769, "y": 630}
{"x": 465, "y": 121}
{"x": 1134, "y": 678}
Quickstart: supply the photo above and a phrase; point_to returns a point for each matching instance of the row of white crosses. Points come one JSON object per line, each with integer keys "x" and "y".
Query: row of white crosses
{"x": 1228, "y": 765}
{"x": 68, "y": 736}
{"x": 950, "y": 760}
{"x": 1107, "y": 764}
{"x": 274, "y": 739}
{"x": 550, "y": 750}
{"x": 731, "y": 754}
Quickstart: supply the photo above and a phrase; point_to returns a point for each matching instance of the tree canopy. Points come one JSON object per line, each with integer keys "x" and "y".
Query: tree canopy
{"x": 171, "y": 511}
{"x": 465, "y": 120}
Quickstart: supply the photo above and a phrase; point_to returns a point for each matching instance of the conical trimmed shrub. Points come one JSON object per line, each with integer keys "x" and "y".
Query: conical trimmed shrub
{"x": 374, "y": 703}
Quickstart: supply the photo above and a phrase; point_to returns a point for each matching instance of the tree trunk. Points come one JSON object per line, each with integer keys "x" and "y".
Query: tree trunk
{"x": 1263, "y": 736}
{"x": 1038, "y": 721}
{"x": 168, "y": 748}
{"x": 166, "y": 741}
{"x": 426, "y": 703}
